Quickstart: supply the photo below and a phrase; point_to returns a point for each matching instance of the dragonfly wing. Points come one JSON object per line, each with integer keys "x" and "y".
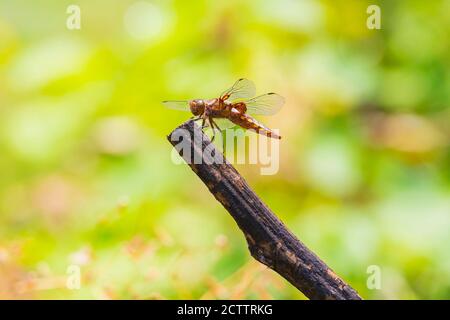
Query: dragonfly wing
{"x": 224, "y": 123}
{"x": 241, "y": 89}
{"x": 182, "y": 105}
{"x": 266, "y": 104}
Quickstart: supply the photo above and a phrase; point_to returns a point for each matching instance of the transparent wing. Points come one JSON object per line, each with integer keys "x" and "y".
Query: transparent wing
{"x": 224, "y": 123}
{"x": 266, "y": 104}
{"x": 182, "y": 105}
{"x": 241, "y": 89}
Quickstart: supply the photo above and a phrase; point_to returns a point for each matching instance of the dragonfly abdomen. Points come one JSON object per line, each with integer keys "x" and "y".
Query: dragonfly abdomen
{"x": 247, "y": 122}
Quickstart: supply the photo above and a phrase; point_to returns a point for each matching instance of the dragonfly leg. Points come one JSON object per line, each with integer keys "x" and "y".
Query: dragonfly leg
{"x": 214, "y": 132}
{"x": 203, "y": 123}
{"x": 214, "y": 125}
{"x": 211, "y": 122}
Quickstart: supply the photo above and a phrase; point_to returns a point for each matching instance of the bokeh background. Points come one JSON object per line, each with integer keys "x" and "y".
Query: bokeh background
{"x": 85, "y": 172}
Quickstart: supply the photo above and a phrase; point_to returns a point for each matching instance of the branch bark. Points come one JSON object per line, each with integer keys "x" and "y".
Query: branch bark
{"x": 269, "y": 241}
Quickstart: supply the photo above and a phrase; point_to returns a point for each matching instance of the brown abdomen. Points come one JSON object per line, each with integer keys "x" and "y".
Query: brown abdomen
{"x": 247, "y": 122}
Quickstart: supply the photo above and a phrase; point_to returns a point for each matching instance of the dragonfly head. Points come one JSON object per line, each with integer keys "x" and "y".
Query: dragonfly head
{"x": 197, "y": 106}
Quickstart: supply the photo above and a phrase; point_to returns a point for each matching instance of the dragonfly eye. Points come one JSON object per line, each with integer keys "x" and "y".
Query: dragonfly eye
{"x": 197, "y": 106}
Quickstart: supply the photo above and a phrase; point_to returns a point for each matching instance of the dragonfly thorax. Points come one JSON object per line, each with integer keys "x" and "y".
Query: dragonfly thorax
{"x": 240, "y": 106}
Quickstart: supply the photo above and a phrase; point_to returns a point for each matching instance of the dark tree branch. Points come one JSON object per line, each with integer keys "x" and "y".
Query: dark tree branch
{"x": 269, "y": 241}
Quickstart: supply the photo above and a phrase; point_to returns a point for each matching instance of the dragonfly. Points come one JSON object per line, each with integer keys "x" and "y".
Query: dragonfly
{"x": 235, "y": 106}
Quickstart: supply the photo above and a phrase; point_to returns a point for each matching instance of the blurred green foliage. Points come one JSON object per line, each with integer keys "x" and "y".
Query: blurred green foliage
{"x": 85, "y": 172}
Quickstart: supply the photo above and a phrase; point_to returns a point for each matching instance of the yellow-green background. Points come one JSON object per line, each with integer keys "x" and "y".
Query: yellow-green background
{"x": 85, "y": 171}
